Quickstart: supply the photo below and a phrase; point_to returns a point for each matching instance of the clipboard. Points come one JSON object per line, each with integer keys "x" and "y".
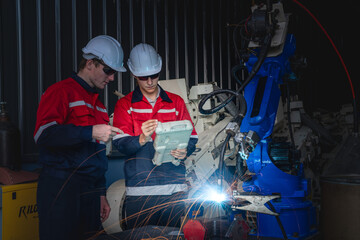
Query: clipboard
{"x": 170, "y": 136}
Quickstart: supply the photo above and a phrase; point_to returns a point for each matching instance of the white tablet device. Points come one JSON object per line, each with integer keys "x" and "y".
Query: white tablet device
{"x": 171, "y": 136}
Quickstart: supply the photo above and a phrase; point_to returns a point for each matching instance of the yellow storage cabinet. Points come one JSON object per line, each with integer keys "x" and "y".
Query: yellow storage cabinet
{"x": 20, "y": 220}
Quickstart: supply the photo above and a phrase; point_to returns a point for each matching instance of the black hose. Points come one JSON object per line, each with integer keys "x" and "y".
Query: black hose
{"x": 243, "y": 109}
{"x": 263, "y": 52}
{"x": 234, "y": 70}
{"x": 217, "y": 108}
{"x": 231, "y": 107}
{"x": 278, "y": 221}
{"x": 221, "y": 158}
{"x": 268, "y": 6}
{"x": 241, "y": 170}
{"x": 238, "y": 119}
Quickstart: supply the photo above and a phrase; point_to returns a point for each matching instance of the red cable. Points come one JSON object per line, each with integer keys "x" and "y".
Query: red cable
{"x": 246, "y": 22}
{"x": 332, "y": 43}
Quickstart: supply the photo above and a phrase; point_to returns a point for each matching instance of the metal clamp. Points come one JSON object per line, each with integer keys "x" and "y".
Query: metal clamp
{"x": 257, "y": 203}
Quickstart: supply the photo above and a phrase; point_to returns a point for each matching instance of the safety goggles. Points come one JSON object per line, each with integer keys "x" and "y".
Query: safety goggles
{"x": 145, "y": 78}
{"x": 107, "y": 70}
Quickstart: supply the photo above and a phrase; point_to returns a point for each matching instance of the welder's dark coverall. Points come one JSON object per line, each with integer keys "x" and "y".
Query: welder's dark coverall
{"x": 73, "y": 164}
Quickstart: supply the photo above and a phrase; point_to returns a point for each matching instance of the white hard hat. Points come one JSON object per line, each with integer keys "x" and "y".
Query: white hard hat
{"x": 144, "y": 60}
{"x": 107, "y": 49}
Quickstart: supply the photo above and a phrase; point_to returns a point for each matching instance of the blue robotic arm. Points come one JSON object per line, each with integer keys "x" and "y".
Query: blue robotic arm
{"x": 252, "y": 131}
{"x": 262, "y": 95}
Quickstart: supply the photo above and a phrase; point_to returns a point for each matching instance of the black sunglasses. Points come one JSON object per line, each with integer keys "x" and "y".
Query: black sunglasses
{"x": 107, "y": 70}
{"x": 144, "y": 78}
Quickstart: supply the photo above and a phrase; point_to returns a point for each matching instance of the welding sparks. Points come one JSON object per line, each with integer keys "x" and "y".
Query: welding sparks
{"x": 212, "y": 194}
{"x": 216, "y": 196}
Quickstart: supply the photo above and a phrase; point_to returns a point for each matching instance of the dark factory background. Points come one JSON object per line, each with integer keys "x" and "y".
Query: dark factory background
{"x": 41, "y": 41}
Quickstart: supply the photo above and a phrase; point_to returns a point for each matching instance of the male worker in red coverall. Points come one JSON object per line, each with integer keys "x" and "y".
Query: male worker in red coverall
{"x": 154, "y": 194}
{"x": 71, "y": 131}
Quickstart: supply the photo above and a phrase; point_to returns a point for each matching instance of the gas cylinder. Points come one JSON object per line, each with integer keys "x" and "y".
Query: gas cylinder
{"x": 10, "y": 154}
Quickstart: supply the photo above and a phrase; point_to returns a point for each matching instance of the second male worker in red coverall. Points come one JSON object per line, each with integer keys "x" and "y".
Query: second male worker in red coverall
{"x": 154, "y": 194}
{"x": 71, "y": 131}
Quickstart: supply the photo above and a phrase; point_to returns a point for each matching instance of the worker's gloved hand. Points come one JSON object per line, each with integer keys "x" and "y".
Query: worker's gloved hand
{"x": 179, "y": 153}
{"x": 147, "y": 128}
{"x": 104, "y": 132}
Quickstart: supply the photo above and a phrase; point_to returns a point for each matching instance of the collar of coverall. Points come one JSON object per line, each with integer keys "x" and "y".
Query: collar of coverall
{"x": 138, "y": 96}
{"x": 83, "y": 83}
